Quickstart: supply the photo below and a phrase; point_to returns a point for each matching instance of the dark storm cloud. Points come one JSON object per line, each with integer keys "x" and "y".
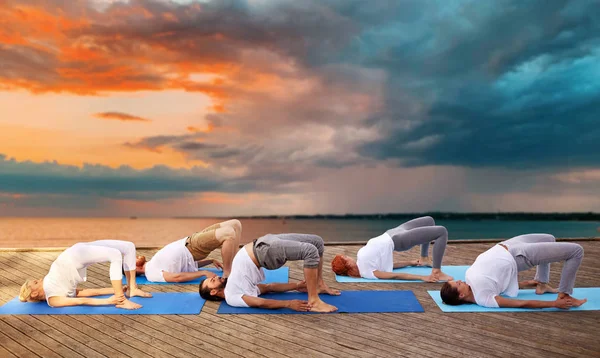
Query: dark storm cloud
{"x": 468, "y": 83}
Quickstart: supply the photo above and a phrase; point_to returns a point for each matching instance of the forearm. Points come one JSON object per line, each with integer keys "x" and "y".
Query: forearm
{"x": 184, "y": 276}
{"x": 76, "y": 301}
{"x": 408, "y": 276}
{"x": 274, "y": 304}
{"x": 203, "y": 263}
{"x": 90, "y": 292}
{"x": 282, "y": 287}
{"x": 536, "y": 304}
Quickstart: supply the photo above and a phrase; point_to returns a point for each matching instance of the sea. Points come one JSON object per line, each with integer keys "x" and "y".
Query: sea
{"x": 154, "y": 232}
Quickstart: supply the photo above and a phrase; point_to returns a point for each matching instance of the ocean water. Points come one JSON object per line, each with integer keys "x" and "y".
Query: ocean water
{"x": 144, "y": 232}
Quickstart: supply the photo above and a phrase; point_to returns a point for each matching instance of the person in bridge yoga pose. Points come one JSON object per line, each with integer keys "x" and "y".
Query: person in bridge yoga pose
{"x": 179, "y": 261}
{"x": 495, "y": 273}
{"x": 59, "y": 286}
{"x": 243, "y": 287}
{"x": 376, "y": 261}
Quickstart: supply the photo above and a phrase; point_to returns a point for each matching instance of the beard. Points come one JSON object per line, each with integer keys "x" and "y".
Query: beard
{"x": 224, "y": 282}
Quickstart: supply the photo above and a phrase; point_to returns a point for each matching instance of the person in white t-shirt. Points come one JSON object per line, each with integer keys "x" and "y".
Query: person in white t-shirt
{"x": 495, "y": 273}
{"x": 179, "y": 261}
{"x": 376, "y": 259}
{"x": 59, "y": 286}
{"x": 243, "y": 287}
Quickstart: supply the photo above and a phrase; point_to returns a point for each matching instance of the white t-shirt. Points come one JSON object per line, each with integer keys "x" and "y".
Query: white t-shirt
{"x": 377, "y": 255}
{"x": 174, "y": 258}
{"x": 494, "y": 272}
{"x": 243, "y": 280}
{"x": 63, "y": 277}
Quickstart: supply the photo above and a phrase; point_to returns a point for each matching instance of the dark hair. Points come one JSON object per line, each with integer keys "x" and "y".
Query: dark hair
{"x": 205, "y": 293}
{"x": 450, "y": 295}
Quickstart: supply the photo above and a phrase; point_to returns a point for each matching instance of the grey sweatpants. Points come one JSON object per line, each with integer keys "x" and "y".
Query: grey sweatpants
{"x": 421, "y": 231}
{"x": 273, "y": 250}
{"x": 542, "y": 249}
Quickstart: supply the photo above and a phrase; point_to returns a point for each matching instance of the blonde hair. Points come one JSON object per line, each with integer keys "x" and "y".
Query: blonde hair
{"x": 25, "y": 293}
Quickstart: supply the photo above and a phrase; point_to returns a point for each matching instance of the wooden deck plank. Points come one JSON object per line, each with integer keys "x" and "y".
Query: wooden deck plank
{"x": 23, "y": 339}
{"x": 79, "y": 337}
{"x": 13, "y": 348}
{"x": 3, "y": 351}
{"x": 428, "y": 334}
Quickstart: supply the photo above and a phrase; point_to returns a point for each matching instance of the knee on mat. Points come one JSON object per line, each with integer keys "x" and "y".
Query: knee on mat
{"x": 430, "y": 219}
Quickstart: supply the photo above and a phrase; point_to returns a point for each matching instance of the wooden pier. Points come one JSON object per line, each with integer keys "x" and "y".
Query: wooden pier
{"x": 428, "y": 334}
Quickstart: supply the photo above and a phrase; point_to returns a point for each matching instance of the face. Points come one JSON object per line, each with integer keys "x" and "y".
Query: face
{"x": 462, "y": 287}
{"x": 214, "y": 283}
{"x": 37, "y": 289}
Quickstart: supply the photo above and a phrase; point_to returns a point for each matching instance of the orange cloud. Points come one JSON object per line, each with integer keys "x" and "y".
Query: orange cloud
{"x": 120, "y": 117}
{"x": 209, "y": 128}
{"x": 137, "y": 46}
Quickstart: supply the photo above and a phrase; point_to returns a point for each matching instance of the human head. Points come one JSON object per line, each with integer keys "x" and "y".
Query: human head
{"x": 344, "y": 266}
{"x": 32, "y": 291}
{"x": 140, "y": 265}
{"x": 454, "y": 292}
{"x": 213, "y": 289}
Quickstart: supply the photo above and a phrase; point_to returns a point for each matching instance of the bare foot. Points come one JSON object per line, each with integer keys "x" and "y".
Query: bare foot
{"x": 576, "y": 302}
{"x": 424, "y": 261}
{"x": 138, "y": 292}
{"x": 128, "y": 305}
{"x": 323, "y": 288}
{"x": 541, "y": 288}
{"x": 320, "y": 306}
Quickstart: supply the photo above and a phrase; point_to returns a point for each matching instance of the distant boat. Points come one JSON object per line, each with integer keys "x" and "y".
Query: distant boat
{"x": 133, "y": 217}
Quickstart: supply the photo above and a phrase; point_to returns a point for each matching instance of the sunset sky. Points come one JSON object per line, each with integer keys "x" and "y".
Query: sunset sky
{"x": 201, "y": 108}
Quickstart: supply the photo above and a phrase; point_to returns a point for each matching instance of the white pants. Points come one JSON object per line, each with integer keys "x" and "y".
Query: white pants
{"x": 118, "y": 253}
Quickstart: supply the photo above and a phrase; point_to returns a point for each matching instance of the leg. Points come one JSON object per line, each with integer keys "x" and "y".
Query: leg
{"x": 96, "y": 252}
{"x": 230, "y": 243}
{"x": 418, "y": 222}
{"x": 316, "y": 241}
{"x": 308, "y": 248}
{"x": 404, "y": 240}
{"x": 225, "y": 235}
{"x": 424, "y": 221}
{"x": 544, "y": 253}
{"x": 529, "y": 239}
{"x": 127, "y": 250}
{"x": 235, "y": 224}
{"x": 542, "y": 274}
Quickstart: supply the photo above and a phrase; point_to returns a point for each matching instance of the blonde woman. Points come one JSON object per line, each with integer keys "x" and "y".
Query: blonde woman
{"x": 59, "y": 286}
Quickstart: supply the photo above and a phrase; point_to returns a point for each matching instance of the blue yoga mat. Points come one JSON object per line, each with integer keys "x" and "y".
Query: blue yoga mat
{"x": 271, "y": 276}
{"x": 592, "y": 294}
{"x": 457, "y": 272}
{"x": 160, "y": 303}
{"x": 347, "y": 302}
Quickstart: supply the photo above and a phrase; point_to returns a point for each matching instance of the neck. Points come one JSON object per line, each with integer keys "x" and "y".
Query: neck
{"x": 470, "y": 297}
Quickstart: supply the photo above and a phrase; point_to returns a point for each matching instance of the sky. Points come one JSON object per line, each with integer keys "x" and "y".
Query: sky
{"x": 279, "y": 107}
